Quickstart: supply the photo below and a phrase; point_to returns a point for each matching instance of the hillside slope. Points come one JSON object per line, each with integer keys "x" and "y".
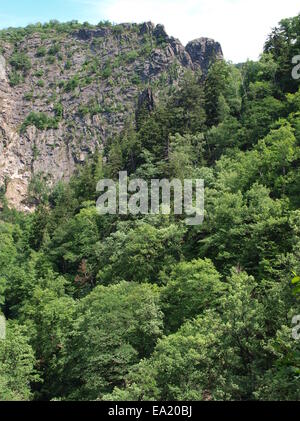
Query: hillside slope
{"x": 67, "y": 88}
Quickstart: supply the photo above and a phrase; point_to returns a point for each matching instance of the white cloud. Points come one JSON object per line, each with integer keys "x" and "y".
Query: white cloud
{"x": 241, "y": 26}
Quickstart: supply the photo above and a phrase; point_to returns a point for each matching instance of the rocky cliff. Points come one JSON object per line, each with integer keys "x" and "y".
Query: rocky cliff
{"x": 65, "y": 89}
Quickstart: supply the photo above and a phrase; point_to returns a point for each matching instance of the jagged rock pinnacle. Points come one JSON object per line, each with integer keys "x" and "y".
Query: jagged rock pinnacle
{"x": 203, "y": 51}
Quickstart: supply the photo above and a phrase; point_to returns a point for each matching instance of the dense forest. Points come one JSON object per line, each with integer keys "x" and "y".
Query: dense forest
{"x": 113, "y": 307}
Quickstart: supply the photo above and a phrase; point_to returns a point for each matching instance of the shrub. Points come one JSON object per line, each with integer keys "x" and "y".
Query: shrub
{"x": 54, "y": 50}
{"x": 136, "y": 80}
{"x": 92, "y": 108}
{"x": 39, "y": 73}
{"x": 15, "y": 78}
{"x": 105, "y": 23}
{"x": 61, "y": 84}
{"x": 117, "y": 62}
{"x": 83, "y": 110}
{"x": 59, "y": 111}
{"x": 72, "y": 84}
{"x": 50, "y": 60}
{"x": 87, "y": 80}
{"x": 93, "y": 66}
{"x": 147, "y": 50}
{"x": 38, "y": 190}
{"x": 40, "y": 120}
{"x": 68, "y": 65}
{"x": 95, "y": 109}
{"x": 131, "y": 56}
{"x": 117, "y": 29}
{"x": 161, "y": 41}
{"x": 107, "y": 71}
{"x": 20, "y": 61}
{"x": 41, "y": 51}
{"x": 28, "y": 96}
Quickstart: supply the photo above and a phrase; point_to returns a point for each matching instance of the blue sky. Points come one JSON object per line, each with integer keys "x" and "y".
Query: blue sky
{"x": 23, "y": 12}
{"x": 241, "y": 26}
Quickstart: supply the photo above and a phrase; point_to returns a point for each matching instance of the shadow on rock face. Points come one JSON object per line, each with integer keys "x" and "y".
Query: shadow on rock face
{"x": 203, "y": 51}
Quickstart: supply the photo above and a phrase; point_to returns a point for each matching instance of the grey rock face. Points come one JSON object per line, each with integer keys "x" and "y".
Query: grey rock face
{"x": 146, "y": 99}
{"x": 99, "y": 77}
{"x": 160, "y": 32}
{"x": 2, "y": 68}
{"x": 203, "y": 51}
{"x": 147, "y": 28}
{"x": 146, "y": 103}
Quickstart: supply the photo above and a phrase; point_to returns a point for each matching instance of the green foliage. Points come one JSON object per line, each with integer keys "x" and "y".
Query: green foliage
{"x": 107, "y": 71}
{"x": 136, "y": 80}
{"x": 147, "y": 46}
{"x": 222, "y": 92}
{"x": 283, "y": 45}
{"x": 183, "y": 114}
{"x": 92, "y": 108}
{"x": 105, "y": 23}
{"x": 68, "y": 65}
{"x": 50, "y": 59}
{"x": 14, "y": 35}
{"x": 39, "y": 73}
{"x": 83, "y": 110}
{"x": 40, "y": 120}
{"x": 184, "y": 152}
{"x": 59, "y": 111}
{"x": 256, "y": 228}
{"x": 217, "y": 356}
{"x": 54, "y": 50}
{"x": 28, "y": 96}
{"x": 258, "y": 117}
{"x": 41, "y": 51}
{"x": 295, "y": 282}
{"x": 21, "y": 64}
{"x": 191, "y": 288}
{"x": 72, "y": 84}
{"x": 139, "y": 254}
{"x": 117, "y": 326}
{"x": 16, "y": 365}
{"x": 38, "y": 190}
{"x": 20, "y": 61}
{"x": 117, "y": 29}
{"x": 131, "y": 56}
{"x": 144, "y": 307}
{"x": 15, "y": 78}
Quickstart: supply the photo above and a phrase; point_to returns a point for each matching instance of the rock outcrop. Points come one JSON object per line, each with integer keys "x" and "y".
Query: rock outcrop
{"x": 79, "y": 87}
{"x": 203, "y": 51}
